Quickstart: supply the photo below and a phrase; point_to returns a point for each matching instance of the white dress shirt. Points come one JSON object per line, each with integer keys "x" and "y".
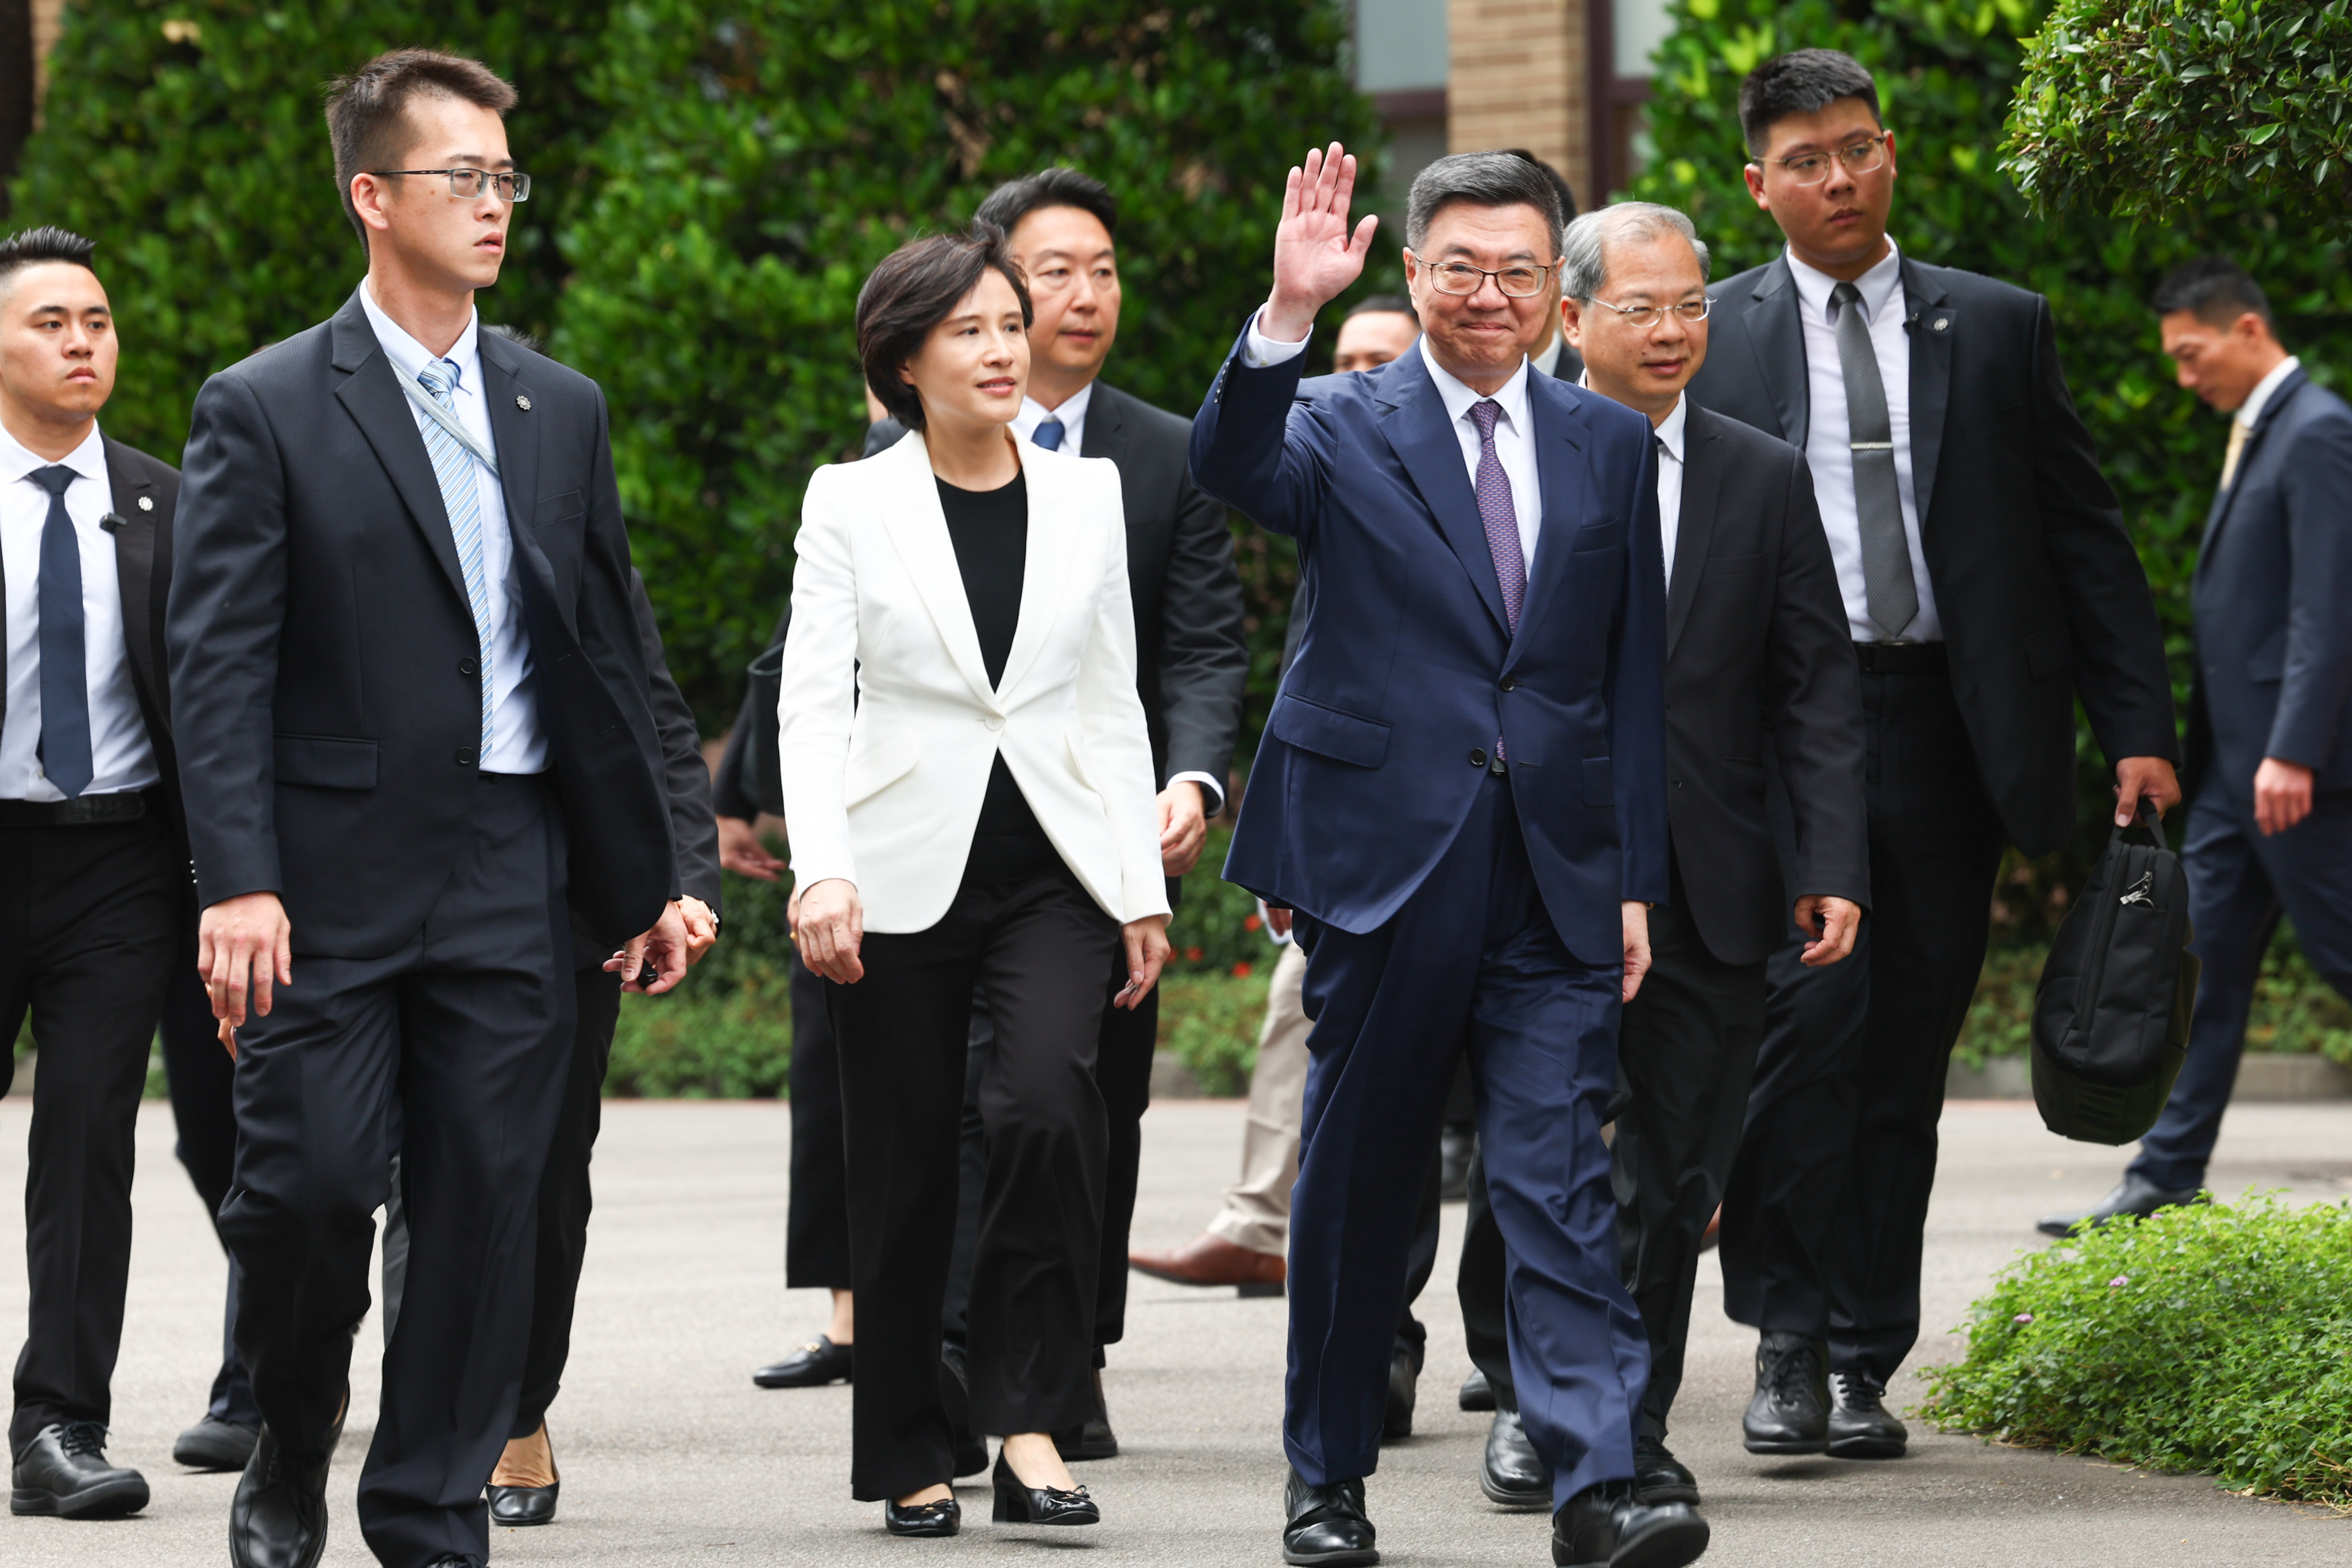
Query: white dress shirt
{"x": 517, "y": 743}
{"x": 2259, "y": 399}
{"x": 120, "y": 756}
{"x": 1514, "y": 443}
{"x": 1828, "y": 433}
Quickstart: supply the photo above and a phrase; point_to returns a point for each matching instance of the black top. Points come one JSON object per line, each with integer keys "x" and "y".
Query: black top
{"x": 990, "y": 530}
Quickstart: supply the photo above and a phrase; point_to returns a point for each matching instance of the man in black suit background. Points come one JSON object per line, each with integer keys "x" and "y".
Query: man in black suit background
{"x": 1988, "y": 581}
{"x": 2270, "y": 726}
{"x": 406, "y": 688}
{"x": 93, "y": 881}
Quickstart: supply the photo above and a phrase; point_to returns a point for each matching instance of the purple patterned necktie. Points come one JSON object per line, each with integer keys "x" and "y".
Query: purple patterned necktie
{"x": 1497, "y": 513}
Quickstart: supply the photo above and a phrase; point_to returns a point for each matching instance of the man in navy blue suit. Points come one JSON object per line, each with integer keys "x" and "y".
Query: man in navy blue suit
{"x": 1461, "y": 793}
{"x": 2270, "y": 727}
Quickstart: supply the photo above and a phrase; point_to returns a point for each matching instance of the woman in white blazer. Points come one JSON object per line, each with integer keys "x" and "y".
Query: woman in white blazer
{"x": 969, "y": 787}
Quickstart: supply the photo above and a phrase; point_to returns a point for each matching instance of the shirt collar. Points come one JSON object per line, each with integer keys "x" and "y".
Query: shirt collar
{"x": 2251, "y": 411}
{"x": 1072, "y": 412}
{"x": 411, "y": 356}
{"x": 1876, "y": 286}
{"x": 88, "y": 460}
{"x": 1668, "y": 430}
{"x": 1459, "y": 399}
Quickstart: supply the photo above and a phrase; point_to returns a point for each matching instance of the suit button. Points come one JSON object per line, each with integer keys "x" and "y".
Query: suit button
{"x": 993, "y": 722}
{"x": 1477, "y": 758}
{"x": 1510, "y": 683}
{"x": 465, "y": 757}
{"x": 467, "y": 666}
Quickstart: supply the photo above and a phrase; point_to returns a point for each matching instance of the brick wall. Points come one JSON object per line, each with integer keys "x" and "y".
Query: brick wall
{"x": 46, "y": 16}
{"x": 1518, "y": 78}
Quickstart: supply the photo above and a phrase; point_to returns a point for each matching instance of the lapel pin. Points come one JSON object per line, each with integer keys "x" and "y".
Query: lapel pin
{"x": 522, "y": 403}
{"x": 146, "y": 503}
{"x": 1942, "y": 322}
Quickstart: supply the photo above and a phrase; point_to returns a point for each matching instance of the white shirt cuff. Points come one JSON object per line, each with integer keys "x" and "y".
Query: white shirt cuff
{"x": 1209, "y": 785}
{"x": 1258, "y": 350}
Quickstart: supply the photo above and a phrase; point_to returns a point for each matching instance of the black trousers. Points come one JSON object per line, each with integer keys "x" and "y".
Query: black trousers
{"x": 1828, "y": 1199}
{"x": 200, "y": 1073}
{"x": 816, "y": 1216}
{"x": 1041, "y": 952}
{"x": 92, "y": 918}
{"x": 454, "y": 1052}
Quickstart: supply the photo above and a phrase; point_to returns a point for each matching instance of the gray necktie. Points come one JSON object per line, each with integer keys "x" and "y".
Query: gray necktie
{"x": 1892, "y": 592}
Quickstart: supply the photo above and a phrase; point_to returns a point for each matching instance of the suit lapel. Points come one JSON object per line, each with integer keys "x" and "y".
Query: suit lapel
{"x": 2218, "y": 512}
{"x": 1702, "y": 483}
{"x": 1932, "y": 324}
{"x": 372, "y": 394}
{"x": 514, "y": 433}
{"x": 1418, "y": 431}
{"x": 1558, "y": 437}
{"x": 1054, "y": 521}
{"x": 1105, "y": 431}
{"x": 133, "y": 527}
{"x": 1776, "y": 336}
{"x": 918, "y": 532}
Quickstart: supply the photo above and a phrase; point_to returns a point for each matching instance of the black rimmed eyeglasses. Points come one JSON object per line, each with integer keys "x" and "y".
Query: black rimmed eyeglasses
{"x": 467, "y": 184}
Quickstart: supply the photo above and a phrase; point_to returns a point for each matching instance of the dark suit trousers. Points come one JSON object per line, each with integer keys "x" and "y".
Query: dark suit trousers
{"x": 2239, "y": 884}
{"x": 452, "y": 1051}
{"x": 1041, "y": 952}
{"x": 199, "y": 1074}
{"x": 91, "y": 920}
{"x": 1828, "y": 1200}
{"x": 1472, "y": 958}
{"x": 816, "y": 1216}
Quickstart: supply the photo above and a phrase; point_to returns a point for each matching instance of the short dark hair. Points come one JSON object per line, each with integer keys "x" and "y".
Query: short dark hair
{"x": 1560, "y": 183}
{"x": 1377, "y": 304}
{"x": 33, "y": 247}
{"x": 912, "y": 291}
{"x": 1482, "y": 179}
{"x": 2216, "y": 287}
{"x": 367, "y": 111}
{"x": 1057, "y": 187}
{"x": 1802, "y": 81}
{"x": 516, "y": 336}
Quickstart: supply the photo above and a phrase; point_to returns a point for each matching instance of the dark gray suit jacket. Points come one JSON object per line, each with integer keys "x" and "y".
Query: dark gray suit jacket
{"x": 2273, "y": 601}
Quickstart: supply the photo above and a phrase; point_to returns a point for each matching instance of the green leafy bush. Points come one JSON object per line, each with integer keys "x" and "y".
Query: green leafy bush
{"x": 1211, "y": 1022}
{"x": 726, "y": 1031}
{"x": 2207, "y": 1338}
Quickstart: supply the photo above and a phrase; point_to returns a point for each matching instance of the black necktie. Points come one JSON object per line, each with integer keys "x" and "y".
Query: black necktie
{"x": 64, "y": 746}
{"x": 1891, "y": 590}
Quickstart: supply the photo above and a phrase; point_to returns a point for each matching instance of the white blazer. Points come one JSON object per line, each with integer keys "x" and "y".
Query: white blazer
{"x": 886, "y": 792}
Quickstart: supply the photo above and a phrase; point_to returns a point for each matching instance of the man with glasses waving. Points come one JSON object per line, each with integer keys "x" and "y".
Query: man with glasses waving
{"x": 408, "y": 687}
{"x": 1988, "y": 582}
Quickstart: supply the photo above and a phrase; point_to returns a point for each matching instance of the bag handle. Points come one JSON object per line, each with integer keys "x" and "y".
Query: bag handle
{"x": 2149, "y": 820}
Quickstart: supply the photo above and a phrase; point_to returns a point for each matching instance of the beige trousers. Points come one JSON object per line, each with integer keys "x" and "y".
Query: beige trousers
{"x": 1256, "y": 1212}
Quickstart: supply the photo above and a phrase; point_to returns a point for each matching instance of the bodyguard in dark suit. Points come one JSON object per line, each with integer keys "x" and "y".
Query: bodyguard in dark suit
{"x": 1461, "y": 793}
{"x": 2270, "y": 726}
{"x": 1988, "y": 582}
{"x": 93, "y": 879}
{"x": 1760, "y": 680}
{"x": 405, "y": 685}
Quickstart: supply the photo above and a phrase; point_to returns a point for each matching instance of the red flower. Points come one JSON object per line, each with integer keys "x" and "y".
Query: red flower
{"x": 1242, "y": 970}
{"x": 1191, "y": 955}
{"x": 1251, "y": 923}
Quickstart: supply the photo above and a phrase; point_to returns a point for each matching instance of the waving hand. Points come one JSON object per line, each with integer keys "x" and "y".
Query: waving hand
{"x": 1315, "y": 254}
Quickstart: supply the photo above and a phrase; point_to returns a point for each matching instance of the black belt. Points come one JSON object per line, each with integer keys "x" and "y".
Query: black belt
{"x": 1902, "y": 657}
{"x": 128, "y": 806}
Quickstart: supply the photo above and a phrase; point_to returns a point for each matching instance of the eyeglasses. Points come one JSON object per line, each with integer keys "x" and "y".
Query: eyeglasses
{"x": 1460, "y": 278}
{"x": 1812, "y": 168}
{"x": 467, "y": 184}
{"x": 1642, "y": 318}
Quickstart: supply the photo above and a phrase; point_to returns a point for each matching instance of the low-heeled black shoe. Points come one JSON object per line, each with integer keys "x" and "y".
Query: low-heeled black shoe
{"x": 813, "y": 1366}
{"x": 278, "y": 1517}
{"x": 1789, "y": 1412}
{"x": 1659, "y": 1477}
{"x": 1326, "y": 1526}
{"x": 1478, "y": 1394}
{"x": 1094, "y": 1439}
{"x": 1018, "y": 1502}
{"x": 1860, "y": 1425}
{"x": 1605, "y": 1526}
{"x": 944, "y": 1517}
{"x": 213, "y": 1443}
{"x": 2133, "y": 1195}
{"x": 1511, "y": 1473}
{"x": 63, "y": 1472}
{"x": 1404, "y": 1379}
{"x": 519, "y": 1506}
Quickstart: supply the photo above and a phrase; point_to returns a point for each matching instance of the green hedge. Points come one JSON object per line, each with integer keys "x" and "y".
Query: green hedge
{"x": 2207, "y": 1338}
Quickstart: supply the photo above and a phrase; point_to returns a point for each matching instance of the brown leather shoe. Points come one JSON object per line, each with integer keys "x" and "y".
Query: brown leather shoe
{"x": 1209, "y": 1259}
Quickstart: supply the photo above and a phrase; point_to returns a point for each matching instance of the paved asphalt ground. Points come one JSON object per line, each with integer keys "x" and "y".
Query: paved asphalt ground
{"x": 670, "y": 1456}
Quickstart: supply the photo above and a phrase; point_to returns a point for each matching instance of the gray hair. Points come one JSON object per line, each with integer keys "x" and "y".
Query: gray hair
{"x": 1482, "y": 179}
{"x": 1584, "y": 267}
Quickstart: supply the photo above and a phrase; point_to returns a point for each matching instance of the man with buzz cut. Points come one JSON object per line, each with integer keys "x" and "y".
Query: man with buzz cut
{"x": 1988, "y": 583}
{"x": 416, "y": 741}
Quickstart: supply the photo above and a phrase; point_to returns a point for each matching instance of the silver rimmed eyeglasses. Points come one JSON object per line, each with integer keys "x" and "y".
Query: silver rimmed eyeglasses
{"x": 1642, "y": 318}
{"x": 1521, "y": 283}
{"x": 1860, "y": 157}
{"x": 467, "y": 184}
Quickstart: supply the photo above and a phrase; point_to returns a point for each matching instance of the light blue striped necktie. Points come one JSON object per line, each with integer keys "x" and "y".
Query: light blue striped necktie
{"x": 454, "y": 467}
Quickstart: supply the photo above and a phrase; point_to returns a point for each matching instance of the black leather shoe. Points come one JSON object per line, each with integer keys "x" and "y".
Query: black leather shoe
{"x": 213, "y": 1443}
{"x": 813, "y": 1366}
{"x": 278, "y": 1516}
{"x": 1790, "y": 1413}
{"x": 1860, "y": 1428}
{"x": 2133, "y": 1196}
{"x": 955, "y": 1395}
{"x": 1094, "y": 1440}
{"x": 63, "y": 1472}
{"x": 519, "y": 1506}
{"x": 944, "y": 1517}
{"x": 1404, "y": 1380}
{"x": 451, "y": 1560}
{"x": 1478, "y": 1394}
{"x": 1659, "y": 1477}
{"x": 1605, "y": 1526}
{"x": 1018, "y": 1502}
{"x": 1511, "y": 1473}
{"x": 1326, "y": 1525}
